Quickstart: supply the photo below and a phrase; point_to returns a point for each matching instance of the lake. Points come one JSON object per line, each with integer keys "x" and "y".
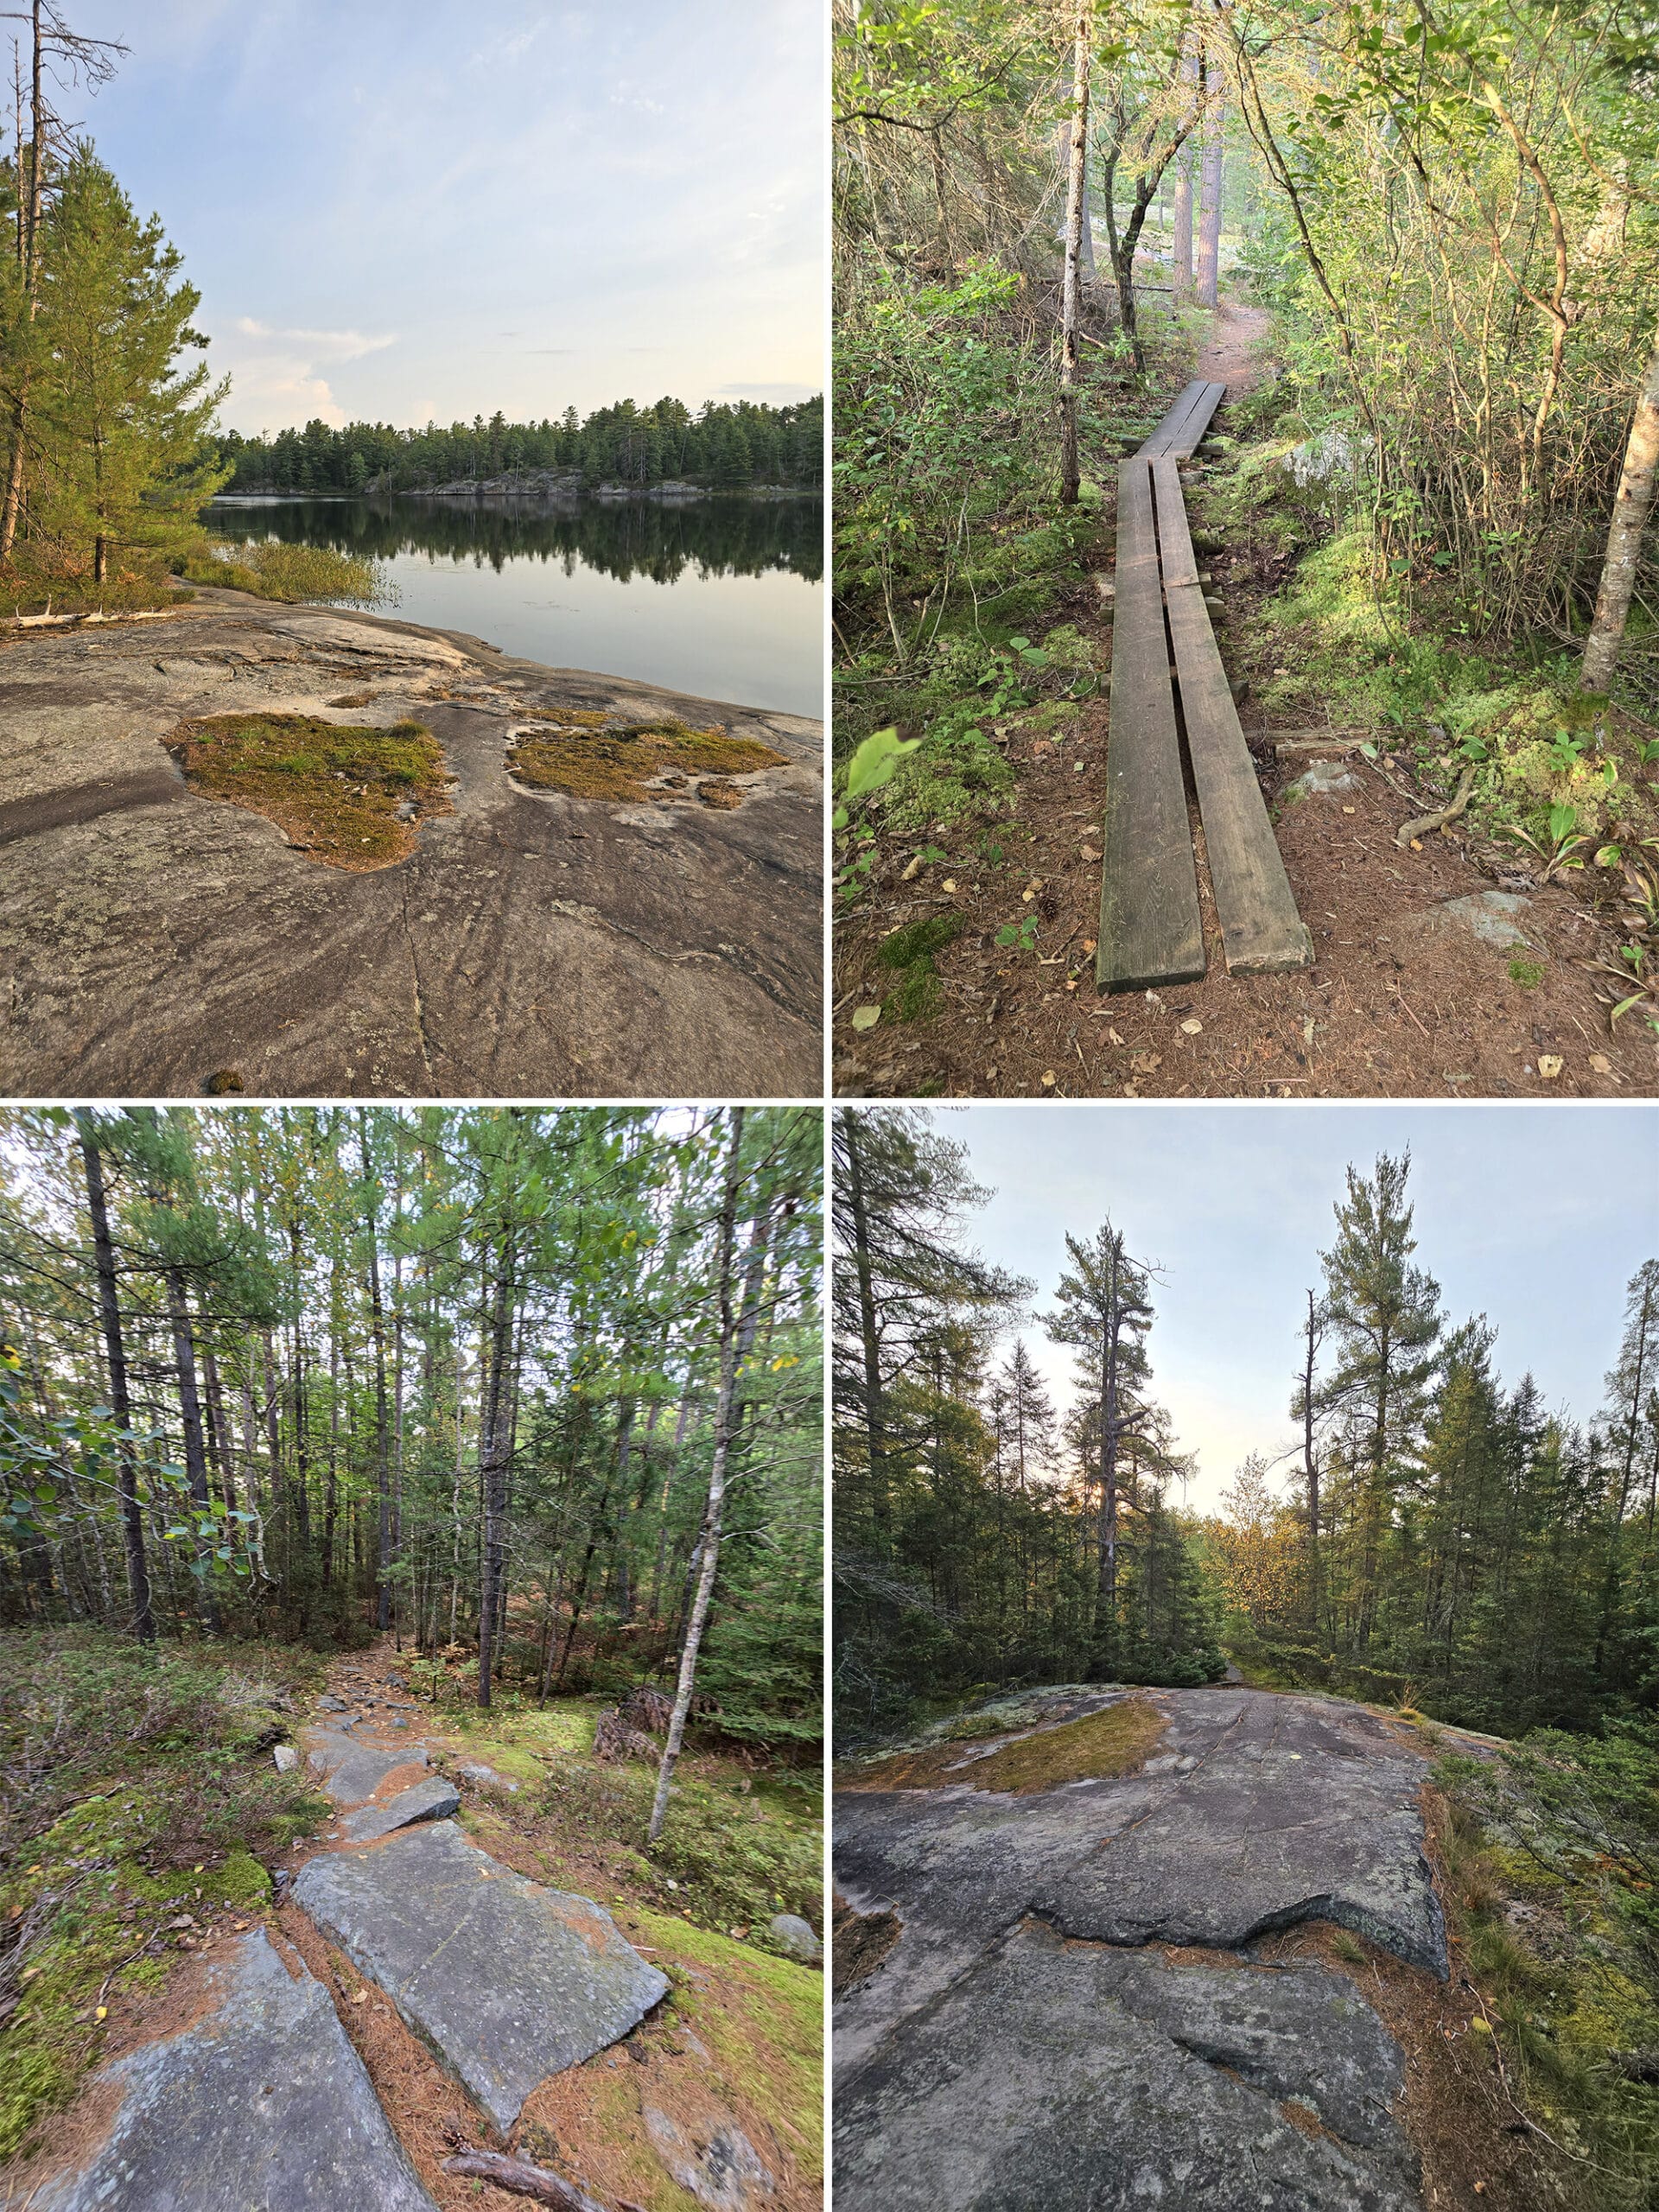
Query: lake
{"x": 722, "y": 597}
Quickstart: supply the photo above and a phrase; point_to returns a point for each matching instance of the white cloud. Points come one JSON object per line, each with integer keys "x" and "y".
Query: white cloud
{"x": 319, "y": 345}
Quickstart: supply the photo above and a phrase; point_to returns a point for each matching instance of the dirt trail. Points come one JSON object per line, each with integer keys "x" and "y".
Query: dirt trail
{"x": 1442, "y": 969}
{"x": 1220, "y": 1977}
{"x": 412, "y": 1995}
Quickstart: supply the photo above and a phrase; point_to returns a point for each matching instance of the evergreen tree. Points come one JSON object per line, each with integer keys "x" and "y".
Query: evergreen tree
{"x": 121, "y": 419}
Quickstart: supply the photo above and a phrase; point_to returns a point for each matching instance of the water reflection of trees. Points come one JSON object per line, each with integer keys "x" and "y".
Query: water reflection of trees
{"x": 710, "y": 537}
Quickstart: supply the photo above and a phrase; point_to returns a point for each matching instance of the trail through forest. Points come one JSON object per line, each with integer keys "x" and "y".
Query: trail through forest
{"x": 1447, "y": 964}
{"x": 1173, "y": 1946}
{"x": 414, "y": 1997}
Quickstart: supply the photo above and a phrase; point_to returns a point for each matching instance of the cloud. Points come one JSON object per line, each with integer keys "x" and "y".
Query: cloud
{"x": 324, "y": 345}
{"x": 624, "y": 95}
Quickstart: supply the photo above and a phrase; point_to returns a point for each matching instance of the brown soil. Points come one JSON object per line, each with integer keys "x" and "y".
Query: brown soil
{"x": 351, "y": 797}
{"x": 860, "y": 1942}
{"x": 1394, "y": 1005}
{"x": 1232, "y": 355}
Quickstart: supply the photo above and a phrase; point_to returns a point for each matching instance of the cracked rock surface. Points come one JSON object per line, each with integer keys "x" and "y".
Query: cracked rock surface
{"x": 1074, "y": 2014}
{"x": 532, "y": 945}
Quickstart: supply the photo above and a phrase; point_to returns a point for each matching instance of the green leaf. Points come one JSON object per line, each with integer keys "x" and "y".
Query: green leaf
{"x": 866, "y": 1017}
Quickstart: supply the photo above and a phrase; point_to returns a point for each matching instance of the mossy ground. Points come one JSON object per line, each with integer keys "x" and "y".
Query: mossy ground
{"x": 630, "y": 763}
{"x": 1117, "y": 1740}
{"x": 350, "y": 796}
{"x": 150, "y": 1796}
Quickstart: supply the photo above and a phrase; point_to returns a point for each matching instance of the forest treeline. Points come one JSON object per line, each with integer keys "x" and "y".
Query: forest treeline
{"x": 1436, "y": 1536}
{"x": 538, "y": 1385}
{"x": 1450, "y": 212}
{"x": 726, "y": 448}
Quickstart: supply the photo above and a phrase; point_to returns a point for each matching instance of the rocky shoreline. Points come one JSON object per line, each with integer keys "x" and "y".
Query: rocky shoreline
{"x": 160, "y": 943}
{"x": 558, "y": 486}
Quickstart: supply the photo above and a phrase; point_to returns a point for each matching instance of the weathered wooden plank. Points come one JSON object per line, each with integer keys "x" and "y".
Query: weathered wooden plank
{"x": 1184, "y": 439}
{"x": 1260, "y": 929}
{"x": 1150, "y": 931}
{"x": 1185, "y": 402}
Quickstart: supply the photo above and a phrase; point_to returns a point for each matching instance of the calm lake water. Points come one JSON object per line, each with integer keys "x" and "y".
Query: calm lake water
{"x": 722, "y": 597}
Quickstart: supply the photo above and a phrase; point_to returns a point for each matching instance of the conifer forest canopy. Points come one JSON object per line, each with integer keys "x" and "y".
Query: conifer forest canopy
{"x": 1436, "y": 1533}
{"x": 515, "y": 1379}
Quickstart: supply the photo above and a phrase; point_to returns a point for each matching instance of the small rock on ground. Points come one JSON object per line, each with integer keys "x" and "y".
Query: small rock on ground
{"x": 794, "y": 1934}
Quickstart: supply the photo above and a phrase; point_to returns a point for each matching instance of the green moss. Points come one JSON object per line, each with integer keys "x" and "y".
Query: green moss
{"x": 932, "y": 934}
{"x": 350, "y": 796}
{"x": 1528, "y": 973}
{"x": 1118, "y": 1739}
{"x": 626, "y": 764}
{"x": 919, "y": 994}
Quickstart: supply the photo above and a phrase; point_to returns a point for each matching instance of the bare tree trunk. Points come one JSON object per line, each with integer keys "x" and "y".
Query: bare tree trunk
{"x": 1209, "y": 208}
{"x": 132, "y": 1526}
{"x": 196, "y": 1454}
{"x": 1071, "y": 474}
{"x": 1630, "y": 505}
{"x": 736, "y": 1336}
{"x": 1311, "y": 1467}
{"x": 494, "y": 1452}
{"x": 382, "y": 1434}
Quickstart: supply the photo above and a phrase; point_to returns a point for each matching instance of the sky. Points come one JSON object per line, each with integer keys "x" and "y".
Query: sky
{"x": 1536, "y": 1217}
{"x": 405, "y": 210}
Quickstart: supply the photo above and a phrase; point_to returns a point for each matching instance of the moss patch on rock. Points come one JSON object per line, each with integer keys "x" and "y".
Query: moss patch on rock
{"x": 1117, "y": 1740}
{"x": 351, "y": 797}
{"x": 634, "y": 763}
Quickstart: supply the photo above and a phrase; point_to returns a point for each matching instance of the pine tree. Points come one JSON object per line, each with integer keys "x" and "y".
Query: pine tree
{"x": 122, "y": 421}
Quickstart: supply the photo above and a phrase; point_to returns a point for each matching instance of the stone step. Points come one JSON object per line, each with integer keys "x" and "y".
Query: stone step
{"x": 351, "y": 1771}
{"x": 261, "y": 2102}
{"x": 426, "y": 1801}
{"x": 507, "y": 1981}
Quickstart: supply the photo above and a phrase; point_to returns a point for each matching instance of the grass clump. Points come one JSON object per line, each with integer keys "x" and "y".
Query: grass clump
{"x": 271, "y": 569}
{"x": 650, "y": 761}
{"x": 135, "y": 1787}
{"x": 1117, "y": 1740}
{"x": 350, "y": 796}
{"x": 1528, "y": 973}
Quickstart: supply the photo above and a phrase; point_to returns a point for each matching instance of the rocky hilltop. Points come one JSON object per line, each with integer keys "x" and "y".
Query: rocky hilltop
{"x": 1103, "y": 1947}
{"x": 533, "y": 940}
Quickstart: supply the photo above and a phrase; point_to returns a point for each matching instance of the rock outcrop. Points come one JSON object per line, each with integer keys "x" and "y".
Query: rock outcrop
{"x": 154, "y": 941}
{"x": 1075, "y": 2010}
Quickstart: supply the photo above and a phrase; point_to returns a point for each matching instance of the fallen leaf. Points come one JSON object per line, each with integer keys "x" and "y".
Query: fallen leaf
{"x": 1027, "y": 896}
{"x": 1113, "y": 1035}
{"x": 1347, "y": 810}
{"x": 1048, "y": 1075}
{"x": 1089, "y": 854}
{"x": 949, "y": 883}
{"x": 1191, "y": 1027}
{"x": 1071, "y": 982}
{"x": 1152, "y": 999}
{"x": 101, "y": 2012}
{"x": 1550, "y": 1065}
{"x": 1087, "y": 945}
{"x": 913, "y": 871}
{"x": 1146, "y": 1063}
{"x": 1416, "y": 844}
{"x": 361, "y": 1997}
{"x": 866, "y": 1017}
{"x": 1601, "y": 1064}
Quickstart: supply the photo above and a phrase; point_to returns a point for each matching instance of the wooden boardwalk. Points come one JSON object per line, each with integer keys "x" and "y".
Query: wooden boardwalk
{"x": 1167, "y": 676}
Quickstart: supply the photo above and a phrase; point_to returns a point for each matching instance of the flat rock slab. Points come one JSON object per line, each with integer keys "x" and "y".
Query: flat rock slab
{"x": 426, "y": 1801}
{"x": 507, "y": 1981}
{"x": 352, "y": 1770}
{"x": 530, "y": 946}
{"x": 263, "y": 2103}
{"x": 1040, "y": 2033}
{"x": 1058, "y": 2074}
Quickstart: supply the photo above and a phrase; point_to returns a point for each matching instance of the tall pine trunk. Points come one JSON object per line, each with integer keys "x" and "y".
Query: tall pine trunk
{"x": 108, "y": 1301}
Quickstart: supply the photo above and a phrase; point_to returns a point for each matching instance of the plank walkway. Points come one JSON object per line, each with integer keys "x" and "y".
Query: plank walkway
{"x": 1164, "y": 660}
